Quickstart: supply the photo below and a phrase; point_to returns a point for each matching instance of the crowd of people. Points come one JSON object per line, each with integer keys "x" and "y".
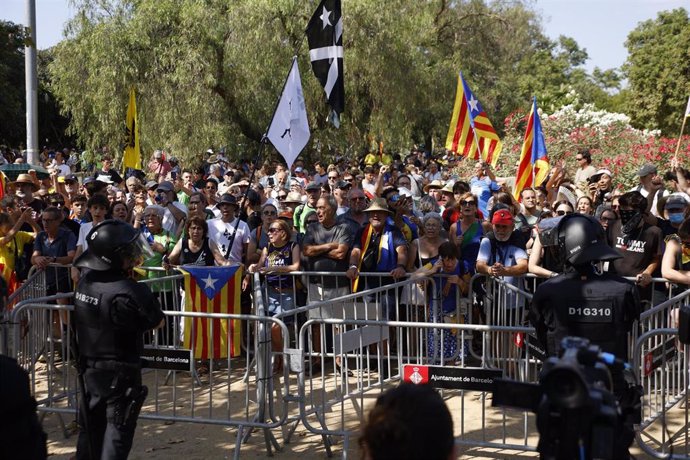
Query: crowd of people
{"x": 381, "y": 213}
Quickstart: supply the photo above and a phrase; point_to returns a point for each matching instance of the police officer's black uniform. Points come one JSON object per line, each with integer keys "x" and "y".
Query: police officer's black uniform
{"x": 581, "y": 302}
{"x": 112, "y": 312}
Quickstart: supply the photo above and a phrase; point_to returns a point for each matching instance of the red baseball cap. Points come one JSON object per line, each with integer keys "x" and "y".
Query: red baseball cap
{"x": 502, "y": 217}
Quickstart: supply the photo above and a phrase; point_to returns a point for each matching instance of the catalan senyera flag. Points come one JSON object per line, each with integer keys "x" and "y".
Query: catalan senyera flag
{"x": 534, "y": 161}
{"x": 212, "y": 290}
{"x": 471, "y": 133}
{"x": 132, "y": 154}
{"x": 3, "y": 184}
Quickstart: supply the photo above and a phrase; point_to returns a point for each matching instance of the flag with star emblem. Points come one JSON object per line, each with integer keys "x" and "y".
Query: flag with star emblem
{"x": 289, "y": 129}
{"x": 471, "y": 133}
{"x": 534, "y": 162}
{"x": 325, "y": 37}
{"x": 212, "y": 290}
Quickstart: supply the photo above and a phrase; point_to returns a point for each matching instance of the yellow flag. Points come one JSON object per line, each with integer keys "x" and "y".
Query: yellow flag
{"x": 132, "y": 155}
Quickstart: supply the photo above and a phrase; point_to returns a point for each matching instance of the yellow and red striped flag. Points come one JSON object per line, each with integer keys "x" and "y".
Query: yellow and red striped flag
{"x": 212, "y": 290}
{"x": 534, "y": 161}
{"x": 3, "y": 182}
{"x": 471, "y": 133}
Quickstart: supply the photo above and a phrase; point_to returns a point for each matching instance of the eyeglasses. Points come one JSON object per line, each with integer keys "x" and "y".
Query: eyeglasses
{"x": 469, "y": 203}
{"x": 269, "y": 213}
{"x": 563, "y": 213}
{"x": 332, "y": 177}
{"x": 273, "y": 230}
{"x": 282, "y": 197}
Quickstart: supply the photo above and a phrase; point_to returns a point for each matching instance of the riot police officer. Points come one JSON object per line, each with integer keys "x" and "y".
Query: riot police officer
{"x": 112, "y": 311}
{"x": 584, "y": 302}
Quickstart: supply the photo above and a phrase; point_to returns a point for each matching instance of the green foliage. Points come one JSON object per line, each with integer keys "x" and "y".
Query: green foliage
{"x": 12, "y": 126}
{"x": 209, "y": 73}
{"x": 658, "y": 71}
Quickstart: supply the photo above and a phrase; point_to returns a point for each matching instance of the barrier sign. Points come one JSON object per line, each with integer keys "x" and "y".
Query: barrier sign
{"x": 167, "y": 358}
{"x": 454, "y": 378}
{"x": 662, "y": 353}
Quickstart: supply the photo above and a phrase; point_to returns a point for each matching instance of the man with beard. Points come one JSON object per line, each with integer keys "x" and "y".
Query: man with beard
{"x": 379, "y": 247}
{"x": 651, "y": 187}
{"x": 500, "y": 256}
{"x": 639, "y": 242}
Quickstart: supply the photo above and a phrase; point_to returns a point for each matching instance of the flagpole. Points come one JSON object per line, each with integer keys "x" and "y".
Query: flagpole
{"x": 257, "y": 161}
{"x": 680, "y": 136}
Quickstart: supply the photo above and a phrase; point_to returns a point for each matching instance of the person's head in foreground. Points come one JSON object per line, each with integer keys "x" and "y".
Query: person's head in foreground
{"x": 409, "y": 422}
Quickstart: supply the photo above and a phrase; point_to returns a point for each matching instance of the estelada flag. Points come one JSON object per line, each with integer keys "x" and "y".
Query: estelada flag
{"x": 534, "y": 161}
{"x": 212, "y": 290}
{"x": 471, "y": 133}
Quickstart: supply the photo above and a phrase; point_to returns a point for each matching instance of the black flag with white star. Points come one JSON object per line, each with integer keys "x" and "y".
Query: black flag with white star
{"x": 325, "y": 36}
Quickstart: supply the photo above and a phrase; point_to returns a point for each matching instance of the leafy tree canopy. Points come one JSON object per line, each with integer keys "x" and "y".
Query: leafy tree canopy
{"x": 658, "y": 71}
{"x": 209, "y": 73}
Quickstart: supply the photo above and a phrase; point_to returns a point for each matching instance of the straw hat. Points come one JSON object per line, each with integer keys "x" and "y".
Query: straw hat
{"x": 26, "y": 179}
{"x": 435, "y": 184}
{"x": 293, "y": 197}
{"x": 378, "y": 204}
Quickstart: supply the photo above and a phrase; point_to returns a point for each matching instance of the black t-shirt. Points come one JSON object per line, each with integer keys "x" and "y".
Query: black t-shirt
{"x": 108, "y": 176}
{"x": 638, "y": 249}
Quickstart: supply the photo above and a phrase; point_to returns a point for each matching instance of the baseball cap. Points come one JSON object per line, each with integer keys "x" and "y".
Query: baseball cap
{"x": 158, "y": 154}
{"x": 312, "y": 186}
{"x": 71, "y": 178}
{"x": 676, "y": 200}
{"x": 647, "y": 169}
{"x": 151, "y": 184}
{"x": 299, "y": 169}
{"x": 597, "y": 175}
{"x": 502, "y": 217}
{"x": 165, "y": 186}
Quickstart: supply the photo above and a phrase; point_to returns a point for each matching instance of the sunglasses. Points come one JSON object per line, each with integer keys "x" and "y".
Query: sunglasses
{"x": 563, "y": 213}
{"x": 332, "y": 177}
{"x": 358, "y": 198}
{"x": 350, "y": 179}
{"x": 269, "y": 213}
{"x": 608, "y": 219}
{"x": 469, "y": 203}
{"x": 273, "y": 230}
{"x": 282, "y": 197}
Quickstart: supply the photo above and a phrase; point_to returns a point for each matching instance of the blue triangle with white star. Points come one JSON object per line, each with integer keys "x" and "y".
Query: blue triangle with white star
{"x": 211, "y": 279}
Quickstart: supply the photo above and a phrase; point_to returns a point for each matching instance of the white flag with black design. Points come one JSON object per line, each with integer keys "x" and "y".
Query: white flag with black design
{"x": 289, "y": 129}
{"x": 325, "y": 36}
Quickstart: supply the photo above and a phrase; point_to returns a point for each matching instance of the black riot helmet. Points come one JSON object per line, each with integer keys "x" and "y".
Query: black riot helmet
{"x": 111, "y": 243}
{"x": 582, "y": 240}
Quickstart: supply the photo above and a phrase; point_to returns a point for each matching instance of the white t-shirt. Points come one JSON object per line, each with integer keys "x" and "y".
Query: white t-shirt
{"x": 83, "y": 232}
{"x": 169, "y": 223}
{"x": 221, "y": 232}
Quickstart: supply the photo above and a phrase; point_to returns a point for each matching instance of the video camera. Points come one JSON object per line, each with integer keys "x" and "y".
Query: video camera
{"x": 578, "y": 415}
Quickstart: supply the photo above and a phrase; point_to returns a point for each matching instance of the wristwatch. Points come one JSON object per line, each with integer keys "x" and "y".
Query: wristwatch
{"x": 352, "y": 266}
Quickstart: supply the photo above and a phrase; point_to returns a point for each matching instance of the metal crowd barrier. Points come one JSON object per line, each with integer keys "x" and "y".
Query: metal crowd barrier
{"x": 340, "y": 350}
{"x": 239, "y": 389}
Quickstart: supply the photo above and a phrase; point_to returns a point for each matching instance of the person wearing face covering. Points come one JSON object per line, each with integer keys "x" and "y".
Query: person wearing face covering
{"x": 639, "y": 243}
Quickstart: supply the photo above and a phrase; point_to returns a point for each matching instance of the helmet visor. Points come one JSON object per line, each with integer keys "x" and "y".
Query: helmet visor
{"x": 139, "y": 248}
